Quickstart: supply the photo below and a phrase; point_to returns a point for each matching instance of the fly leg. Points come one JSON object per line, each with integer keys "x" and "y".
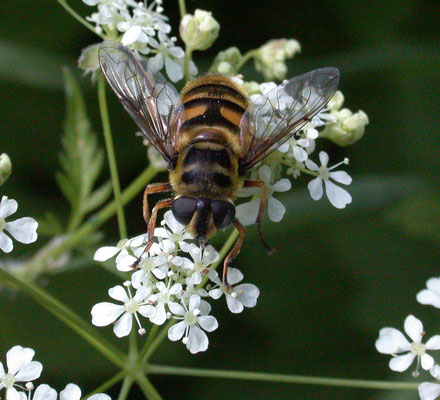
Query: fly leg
{"x": 261, "y": 211}
{"x": 150, "y": 189}
{"x": 235, "y": 250}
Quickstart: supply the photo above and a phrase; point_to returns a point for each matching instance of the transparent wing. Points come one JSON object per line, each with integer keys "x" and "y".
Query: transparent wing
{"x": 274, "y": 117}
{"x": 152, "y": 102}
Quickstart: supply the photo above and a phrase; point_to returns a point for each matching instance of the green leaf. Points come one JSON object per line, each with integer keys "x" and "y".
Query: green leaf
{"x": 81, "y": 160}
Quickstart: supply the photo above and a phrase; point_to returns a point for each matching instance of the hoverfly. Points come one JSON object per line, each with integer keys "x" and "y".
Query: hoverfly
{"x": 210, "y": 135}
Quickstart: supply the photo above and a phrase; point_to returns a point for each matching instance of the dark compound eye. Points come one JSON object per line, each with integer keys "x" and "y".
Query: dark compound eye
{"x": 183, "y": 209}
{"x": 223, "y": 213}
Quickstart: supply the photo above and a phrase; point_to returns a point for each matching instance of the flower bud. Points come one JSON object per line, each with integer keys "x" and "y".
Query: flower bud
{"x": 199, "y": 31}
{"x": 271, "y": 57}
{"x": 5, "y": 168}
{"x": 88, "y": 60}
{"x": 348, "y": 128}
{"x": 226, "y": 61}
{"x": 335, "y": 103}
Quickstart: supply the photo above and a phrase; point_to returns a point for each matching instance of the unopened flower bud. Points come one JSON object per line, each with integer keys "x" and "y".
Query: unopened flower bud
{"x": 348, "y": 128}
{"x": 231, "y": 58}
{"x": 335, "y": 103}
{"x": 88, "y": 60}
{"x": 252, "y": 87}
{"x": 5, "y": 168}
{"x": 199, "y": 31}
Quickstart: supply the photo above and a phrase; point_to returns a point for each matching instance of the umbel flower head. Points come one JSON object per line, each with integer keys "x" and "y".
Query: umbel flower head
{"x": 200, "y": 30}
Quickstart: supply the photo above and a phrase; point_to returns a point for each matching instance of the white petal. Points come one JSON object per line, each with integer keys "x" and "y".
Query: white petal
{"x": 311, "y": 165}
{"x": 247, "y": 213}
{"x": 276, "y": 209}
{"x": 12, "y": 394}
{"x": 174, "y": 70}
{"x": 131, "y": 35}
{"x": 323, "y": 158}
{"x": 435, "y": 372}
{"x": 176, "y": 288}
{"x": 176, "y": 308}
{"x": 234, "y": 276}
{"x": 177, "y": 52}
{"x": 392, "y": 341}
{"x": 123, "y": 326}
{"x": 197, "y": 340}
{"x": 160, "y": 316}
{"x": 142, "y": 293}
{"x": 204, "y": 307}
{"x": 414, "y": 328}
{"x": 194, "y": 302}
{"x": 17, "y": 357}
{"x": 315, "y": 188}
{"x": 24, "y": 230}
{"x": 137, "y": 278}
{"x": 299, "y": 154}
{"x": 207, "y": 322}
{"x": 29, "y": 372}
{"x": 7, "y": 207}
{"x": 427, "y": 361}
{"x": 233, "y": 304}
{"x": 106, "y": 252}
{"x": 2, "y": 369}
{"x": 248, "y": 294}
{"x": 433, "y": 284}
{"x": 341, "y": 177}
{"x": 124, "y": 261}
{"x": 99, "y": 396}
{"x": 429, "y": 391}
{"x": 265, "y": 173}
{"x": 104, "y": 314}
{"x": 147, "y": 311}
{"x": 6, "y": 243}
{"x": 176, "y": 331}
{"x": 429, "y": 297}
{"x": 215, "y": 293}
{"x": 338, "y": 197}
{"x": 70, "y": 392}
{"x": 282, "y": 185}
{"x": 156, "y": 61}
{"x": 45, "y": 392}
{"x": 433, "y": 343}
{"x": 401, "y": 363}
{"x": 118, "y": 293}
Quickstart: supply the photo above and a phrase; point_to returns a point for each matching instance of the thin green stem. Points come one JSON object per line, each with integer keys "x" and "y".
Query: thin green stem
{"x": 188, "y": 58}
{"x": 111, "y": 157}
{"x": 182, "y": 8}
{"x": 151, "y": 336}
{"x": 125, "y": 389}
{"x": 147, "y": 388}
{"x": 246, "y": 58}
{"x": 107, "y": 384}
{"x": 268, "y": 377}
{"x": 78, "y": 17}
{"x": 157, "y": 341}
{"x": 68, "y": 317}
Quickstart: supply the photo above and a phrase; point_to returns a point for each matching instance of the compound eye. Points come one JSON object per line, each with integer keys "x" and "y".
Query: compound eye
{"x": 183, "y": 209}
{"x": 223, "y": 213}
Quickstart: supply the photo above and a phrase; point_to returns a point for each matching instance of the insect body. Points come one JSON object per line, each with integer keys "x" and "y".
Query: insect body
{"x": 210, "y": 135}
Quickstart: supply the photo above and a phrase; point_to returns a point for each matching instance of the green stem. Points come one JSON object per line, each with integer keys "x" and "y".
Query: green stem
{"x": 267, "y": 377}
{"x": 147, "y": 388}
{"x": 246, "y": 58}
{"x": 157, "y": 341}
{"x": 151, "y": 336}
{"x": 80, "y": 19}
{"x": 68, "y": 317}
{"x": 107, "y": 384}
{"x": 182, "y": 8}
{"x": 111, "y": 157}
{"x": 125, "y": 389}
{"x": 188, "y": 58}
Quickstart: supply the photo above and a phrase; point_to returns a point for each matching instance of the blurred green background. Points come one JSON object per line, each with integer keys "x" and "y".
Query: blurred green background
{"x": 338, "y": 276}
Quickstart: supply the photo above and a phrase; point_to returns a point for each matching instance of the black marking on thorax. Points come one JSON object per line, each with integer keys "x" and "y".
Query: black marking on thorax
{"x": 208, "y": 156}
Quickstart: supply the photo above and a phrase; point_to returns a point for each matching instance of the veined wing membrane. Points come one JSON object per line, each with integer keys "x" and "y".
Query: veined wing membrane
{"x": 276, "y": 116}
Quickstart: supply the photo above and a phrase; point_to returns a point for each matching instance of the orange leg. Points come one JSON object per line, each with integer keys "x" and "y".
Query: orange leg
{"x": 235, "y": 250}
{"x": 151, "y": 225}
{"x": 261, "y": 211}
{"x": 150, "y": 189}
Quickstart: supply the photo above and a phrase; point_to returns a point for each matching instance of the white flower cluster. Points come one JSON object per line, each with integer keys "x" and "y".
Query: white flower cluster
{"x": 142, "y": 28}
{"x": 168, "y": 284}
{"x": 22, "y": 370}
{"x": 404, "y": 352}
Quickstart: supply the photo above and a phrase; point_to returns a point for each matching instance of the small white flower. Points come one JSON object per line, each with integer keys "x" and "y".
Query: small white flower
{"x": 104, "y": 314}
{"x": 122, "y": 248}
{"x": 165, "y": 296}
{"x": 297, "y": 148}
{"x": 23, "y": 229}
{"x": 247, "y": 213}
{"x": 21, "y": 368}
{"x": 203, "y": 258}
{"x": 391, "y": 341}
{"x": 71, "y": 392}
{"x": 430, "y": 295}
{"x": 428, "y": 390}
{"x": 237, "y": 297}
{"x": 173, "y": 230}
{"x": 338, "y": 197}
{"x": 193, "y": 318}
